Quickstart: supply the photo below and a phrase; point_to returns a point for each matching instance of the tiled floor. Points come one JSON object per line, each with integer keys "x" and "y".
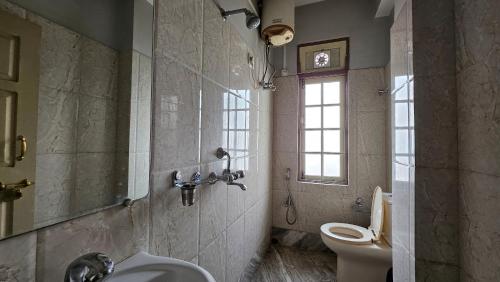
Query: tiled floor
{"x": 290, "y": 264}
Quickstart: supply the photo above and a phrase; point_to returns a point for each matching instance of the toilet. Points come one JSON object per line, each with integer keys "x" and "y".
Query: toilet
{"x": 363, "y": 254}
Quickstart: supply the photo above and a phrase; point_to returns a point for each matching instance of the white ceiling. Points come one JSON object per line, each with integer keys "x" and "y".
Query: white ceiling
{"x": 305, "y": 2}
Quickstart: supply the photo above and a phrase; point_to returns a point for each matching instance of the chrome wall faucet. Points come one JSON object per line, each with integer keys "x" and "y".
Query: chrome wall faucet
{"x": 228, "y": 176}
{"x": 93, "y": 267}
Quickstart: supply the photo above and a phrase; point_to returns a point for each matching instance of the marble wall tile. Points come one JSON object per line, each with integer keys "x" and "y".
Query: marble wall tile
{"x": 478, "y": 116}
{"x": 143, "y": 126}
{"x": 285, "y": 137}
{"x": 142, "y": 161}
{"x": 119, "y": 232}
{"x": 144, "y": 77}
{"x": 214, "y": 120}
{"x": 436, "y": 111}
{"x": 53, "y": 190}
{"x": 436, "y": 218}
{"x": 213, "y": 206}
{"x": 433, "y": 220}
{"x": 264, "y": 174}
{"x": 235, "y": 263}
{"x": 399, "y": 49}
{"x": 95, "y": 180}
{"x": 251, "y": 181}
{"x": 433, "y": 37}
{"x": 213, "y": 258}
{"x": 281, "y": 162}
{"x": 176, "y": 115}
{"x": 430, "y": 271}
{"x": 99, "y": 70}
{"x": 175, "y": 228}
{"x": 400, "y": 257}
{"x": 477, "y": 68}
{"x": 371, "y": 133}
{"x": 264, "y": 224}
{"x": 317, "y": 209}
{"x": 409, "y": 37}
{"x": 235, "y": 204}
{"x": 126, "y": 127}
{"x": 478, "y": 227}
{"x": 286, "y": 98}
{"x": 60, "y": 55}
{"x": 364, "y": 85}
{"x": 253, "y": 130}
{"x": 179, "y": 26}
{"x": 20, "y": 263}
{"x": 215, "y": 44}
{"x": 239, "y": 72}
{"x": 401, "y": 197}
{"x": 96, "y": 124}
{"x": 251, "y": 233}
{"x": 56, "y": 130}
{"x": 371, "y": 173}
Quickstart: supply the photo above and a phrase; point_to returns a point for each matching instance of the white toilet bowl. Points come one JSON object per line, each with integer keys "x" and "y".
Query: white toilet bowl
{"x": 363, "y": 254}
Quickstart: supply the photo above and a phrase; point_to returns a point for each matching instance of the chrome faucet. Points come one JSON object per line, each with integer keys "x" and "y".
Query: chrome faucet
{"x": 93, "y": 267}
{"x": 228, "y": 176}
{"x": 241, "y": 185}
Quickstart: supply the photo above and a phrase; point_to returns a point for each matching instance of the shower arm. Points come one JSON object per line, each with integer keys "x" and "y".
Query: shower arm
{"x": 226, "y": 14}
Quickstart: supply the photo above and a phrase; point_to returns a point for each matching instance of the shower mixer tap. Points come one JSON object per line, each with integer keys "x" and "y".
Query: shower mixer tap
{"x": 228, "y": 176}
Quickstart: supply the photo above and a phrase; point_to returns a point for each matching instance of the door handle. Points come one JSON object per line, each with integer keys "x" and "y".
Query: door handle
{"x": 16, "y": 186}
{"x": 12, "y": 191}
{"x": 24, "y": 147}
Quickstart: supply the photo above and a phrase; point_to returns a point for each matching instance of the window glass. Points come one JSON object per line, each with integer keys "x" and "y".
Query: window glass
{"x": 313, "y": 94}
{"x": 313, "y": 117}
{"x": 323, "y": 156}
{"x": 331, "y": 93}
{"x": 331, "y": 117}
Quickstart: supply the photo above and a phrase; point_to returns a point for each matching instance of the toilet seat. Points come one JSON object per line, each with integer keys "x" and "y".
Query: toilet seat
{"x": 348, "y": 233}
{"x": 357, "y": 235}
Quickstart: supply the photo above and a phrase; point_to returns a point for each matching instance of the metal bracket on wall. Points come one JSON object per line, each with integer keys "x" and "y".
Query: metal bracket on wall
{"x": 188, "y": 188}
{"x": 382, "y": 92}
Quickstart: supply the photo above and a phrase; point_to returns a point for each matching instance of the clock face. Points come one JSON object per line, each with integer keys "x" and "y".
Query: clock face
{"x": 321, "y": 60}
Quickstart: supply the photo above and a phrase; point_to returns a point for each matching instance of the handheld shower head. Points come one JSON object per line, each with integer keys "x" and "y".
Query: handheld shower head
{"x": 252, "y": 20}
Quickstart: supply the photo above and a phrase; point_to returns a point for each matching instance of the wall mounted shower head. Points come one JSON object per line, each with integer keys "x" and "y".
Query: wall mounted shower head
{"x": 252, "y": 20}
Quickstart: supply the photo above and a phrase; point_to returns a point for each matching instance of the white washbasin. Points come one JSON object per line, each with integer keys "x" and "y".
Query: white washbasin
{"x": 144, "y": 267}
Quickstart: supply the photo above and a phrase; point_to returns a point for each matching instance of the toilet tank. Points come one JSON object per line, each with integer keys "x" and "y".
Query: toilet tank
{"x": 387, "y": 228}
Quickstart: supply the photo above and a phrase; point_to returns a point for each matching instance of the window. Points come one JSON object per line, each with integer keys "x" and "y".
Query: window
{"x": 323, "y": 133}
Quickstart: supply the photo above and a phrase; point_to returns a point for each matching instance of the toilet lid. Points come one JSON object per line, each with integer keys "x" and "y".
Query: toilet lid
{"x": 377, "y": 216}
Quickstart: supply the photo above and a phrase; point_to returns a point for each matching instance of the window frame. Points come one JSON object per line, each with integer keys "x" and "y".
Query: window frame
{"x": 340, "y": 76}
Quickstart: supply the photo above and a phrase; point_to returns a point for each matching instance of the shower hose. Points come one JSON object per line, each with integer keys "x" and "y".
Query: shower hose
{"x": 291, "y": 211}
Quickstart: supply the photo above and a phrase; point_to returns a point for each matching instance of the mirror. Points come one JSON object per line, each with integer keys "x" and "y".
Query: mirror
{"x": 75, "y": 108}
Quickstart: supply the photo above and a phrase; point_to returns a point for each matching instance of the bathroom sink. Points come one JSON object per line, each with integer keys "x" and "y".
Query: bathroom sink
{"x": 144, "y": 267}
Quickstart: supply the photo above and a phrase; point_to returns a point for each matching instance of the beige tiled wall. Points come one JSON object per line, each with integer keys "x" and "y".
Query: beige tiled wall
{"x": 478, "y": 81}
{"x": 205, "y": 98}
{"x": 436, "y": 154}
{"x": 425, "y": 185}
{"x": 198, "y": 59}
{"x": 316, "y": 203}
